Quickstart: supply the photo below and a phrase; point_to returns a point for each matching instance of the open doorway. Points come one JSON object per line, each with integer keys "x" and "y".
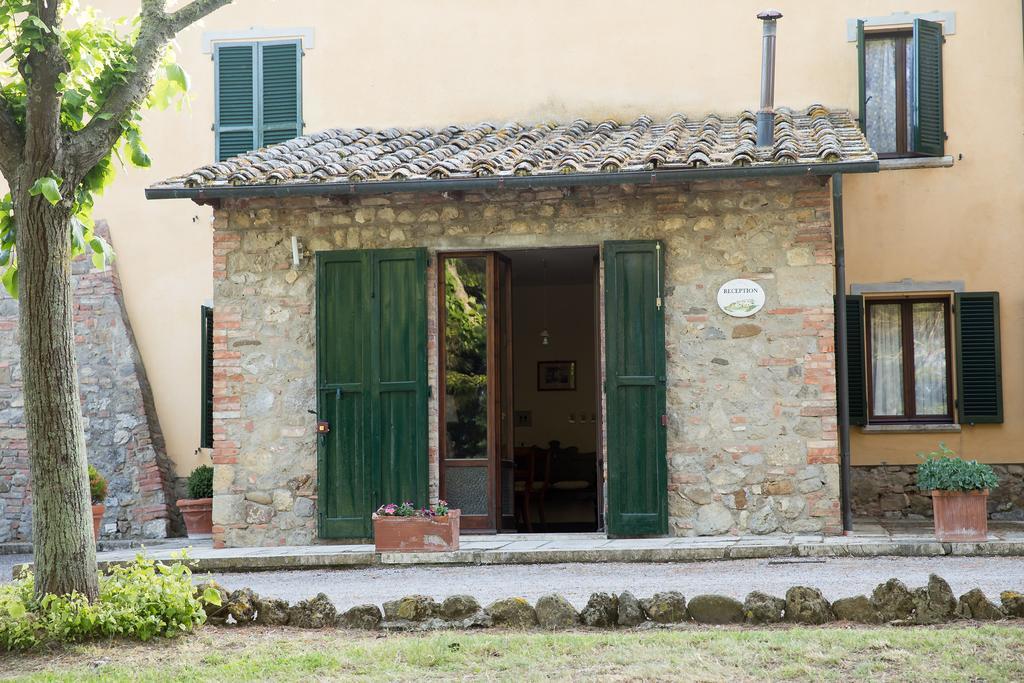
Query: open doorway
{"x": 520, "y": 415}
{"x": 555, "y": 388}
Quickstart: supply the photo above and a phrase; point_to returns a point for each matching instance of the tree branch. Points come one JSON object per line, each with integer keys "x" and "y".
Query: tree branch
{"x": 157, "y": 27}
{"x": 42, "y": 70}
{"x": 193, "y": 12}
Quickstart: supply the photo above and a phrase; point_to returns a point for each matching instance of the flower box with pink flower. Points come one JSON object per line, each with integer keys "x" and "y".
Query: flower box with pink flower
{"x": 403, "y": 528}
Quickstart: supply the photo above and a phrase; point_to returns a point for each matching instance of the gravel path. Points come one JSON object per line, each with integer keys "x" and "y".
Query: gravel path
{"x": 835, "y": 577}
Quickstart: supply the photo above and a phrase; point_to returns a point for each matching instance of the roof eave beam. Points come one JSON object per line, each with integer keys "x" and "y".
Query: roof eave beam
{"x": 663, "y": 177}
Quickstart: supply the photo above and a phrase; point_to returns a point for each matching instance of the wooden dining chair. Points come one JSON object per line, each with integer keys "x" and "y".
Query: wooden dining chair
{"x": 530, "y": 484}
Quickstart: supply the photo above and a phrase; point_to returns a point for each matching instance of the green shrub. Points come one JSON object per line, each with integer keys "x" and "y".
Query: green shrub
{"x": 142, "y": 600}
{"x": 200, "y": 482}
{"x": 97, "y": 486}
{"x": 942, "y": 470}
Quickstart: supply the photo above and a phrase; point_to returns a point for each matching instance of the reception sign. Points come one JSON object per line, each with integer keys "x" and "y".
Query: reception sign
{"x": 740, "y": 298}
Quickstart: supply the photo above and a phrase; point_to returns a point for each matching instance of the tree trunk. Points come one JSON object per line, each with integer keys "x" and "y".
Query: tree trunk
{"x": 64, "y": 547}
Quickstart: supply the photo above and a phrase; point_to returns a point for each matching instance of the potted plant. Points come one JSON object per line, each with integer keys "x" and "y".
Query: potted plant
{"x": 403, "y": 528}
{"x": 959, "y": 491}
{"x": 97, "y": 493}
{"x": 197, "y": 509}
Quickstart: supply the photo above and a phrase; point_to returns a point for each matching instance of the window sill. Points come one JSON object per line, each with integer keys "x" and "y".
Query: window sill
{"x": 910, "y": 428}
{"x": 914, "y": 162}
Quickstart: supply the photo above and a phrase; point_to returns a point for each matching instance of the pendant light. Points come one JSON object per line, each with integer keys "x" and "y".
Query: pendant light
{"x": 545, "y": 336}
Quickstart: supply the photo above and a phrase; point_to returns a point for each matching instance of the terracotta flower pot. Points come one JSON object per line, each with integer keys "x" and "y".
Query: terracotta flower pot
{"x": 960, "y": 515}
{"x": 198, "y": 514}
{"x": 416, "y": 534}
{"x": 97, "y": 519}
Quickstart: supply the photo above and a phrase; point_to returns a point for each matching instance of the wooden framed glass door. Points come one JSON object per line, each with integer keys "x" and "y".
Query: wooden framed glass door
{"x": 504, "y": 429}
{"x": 474, "y": 293}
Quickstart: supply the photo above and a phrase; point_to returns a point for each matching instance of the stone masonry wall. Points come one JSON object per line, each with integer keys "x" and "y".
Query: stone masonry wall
{"x": 123, "y": 438}
{"x": 891, "y": 491}
{"x": 752, "y": 431}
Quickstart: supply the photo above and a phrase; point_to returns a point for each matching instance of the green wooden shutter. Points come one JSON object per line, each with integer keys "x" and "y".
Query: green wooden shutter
{"x": 398, "y": 384}
{"x": 345, "y": 463}
{"x": 206, "y": 377}
{"x": 635, "y": 389}
{"x": 979, "y": 368}
{"x": 928, "y": 130}
{"x": 280, "y": 92}
{"x": 235, "y": 87}
{"x": 856, "y": 385}
{"x": 371, "y": 385}
{"x": 861, "y": 79}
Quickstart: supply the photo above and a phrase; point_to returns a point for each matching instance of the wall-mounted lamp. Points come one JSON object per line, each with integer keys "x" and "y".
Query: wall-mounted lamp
{"x": 296, "y": 254}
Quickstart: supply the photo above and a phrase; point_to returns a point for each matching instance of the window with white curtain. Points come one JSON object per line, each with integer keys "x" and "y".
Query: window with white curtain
{"x": 908, "y": 346}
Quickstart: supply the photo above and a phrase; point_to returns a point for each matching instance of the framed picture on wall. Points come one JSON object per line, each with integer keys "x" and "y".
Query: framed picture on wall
{"x": 556, "y": 375}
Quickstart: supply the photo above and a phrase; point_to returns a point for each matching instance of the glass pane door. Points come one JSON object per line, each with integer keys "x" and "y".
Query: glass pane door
{"x": 470, "y": 392}
{"x": 504, "y": 436}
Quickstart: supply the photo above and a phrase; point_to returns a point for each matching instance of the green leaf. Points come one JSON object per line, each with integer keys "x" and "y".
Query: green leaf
{"x": 100, "y": 176}
{"x": 74, "y": 98}
{"x": 48, "y": 187}
{"x": 211, "y": 596}
{"x": 102, "y": 253}
{"x": 16, "y": 609}
{"x": 78, "y": 230}
{"x": 137, "y": 151}
{"x": 177, "y": 75}
{"x": 10, "y": 281}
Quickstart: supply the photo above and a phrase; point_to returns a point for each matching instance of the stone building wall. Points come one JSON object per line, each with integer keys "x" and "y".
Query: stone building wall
{"x": 123, "y": 438}
{"x": 752, "y": 441}
{"x": 891, "y": 491}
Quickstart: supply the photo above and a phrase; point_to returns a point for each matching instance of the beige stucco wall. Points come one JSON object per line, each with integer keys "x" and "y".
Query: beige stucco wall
{"x": 423, "y": 62}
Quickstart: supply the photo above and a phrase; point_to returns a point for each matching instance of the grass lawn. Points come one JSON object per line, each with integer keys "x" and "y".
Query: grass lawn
{"x": 960, "y": 652}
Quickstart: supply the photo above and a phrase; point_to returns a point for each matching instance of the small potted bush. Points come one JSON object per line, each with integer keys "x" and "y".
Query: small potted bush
{"x": 197, "y": 509}
{"x": 97, "y": 493}
{"x": 403, "y": 528}
{"x": 959, "y": 490}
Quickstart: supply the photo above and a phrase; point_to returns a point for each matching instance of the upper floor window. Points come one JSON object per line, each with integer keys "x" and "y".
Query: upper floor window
{"x": 258, "y": 95}
{"x": 901, "y": 89}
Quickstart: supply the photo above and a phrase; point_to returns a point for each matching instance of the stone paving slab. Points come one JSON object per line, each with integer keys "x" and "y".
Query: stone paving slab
{"x": 871, "y": 538}
{"x": 207, "y": 559}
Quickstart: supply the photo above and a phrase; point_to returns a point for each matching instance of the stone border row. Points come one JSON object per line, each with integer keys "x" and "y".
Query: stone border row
{"x": 890, "y": 603}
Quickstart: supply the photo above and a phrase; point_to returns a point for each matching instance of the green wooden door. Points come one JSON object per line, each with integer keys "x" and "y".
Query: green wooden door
{"x": 635, "y": 389}
{"x": 371, "y": 385}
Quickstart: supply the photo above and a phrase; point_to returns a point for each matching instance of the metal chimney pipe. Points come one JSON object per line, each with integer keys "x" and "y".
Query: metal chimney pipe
{"x": 766, "y": 114}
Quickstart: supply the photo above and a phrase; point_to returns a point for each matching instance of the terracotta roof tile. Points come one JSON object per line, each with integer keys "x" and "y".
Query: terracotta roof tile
{"x": 363, "y": 155}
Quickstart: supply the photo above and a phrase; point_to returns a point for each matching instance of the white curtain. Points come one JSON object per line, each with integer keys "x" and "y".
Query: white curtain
{"x": 930, "y": 359}
{"x": 886, "y": 359}
{"x": 880, "y": 93}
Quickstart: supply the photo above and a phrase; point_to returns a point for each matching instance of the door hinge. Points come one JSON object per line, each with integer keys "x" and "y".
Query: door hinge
{"x": 430, "y": 391}
{"x": 664, "y": 420}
